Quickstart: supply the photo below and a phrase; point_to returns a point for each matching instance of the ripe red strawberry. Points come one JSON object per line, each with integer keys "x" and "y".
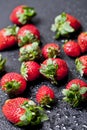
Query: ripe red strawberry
{"x": 54, "y": 69}
{"x": 45, "y": 95}
{"x": 28, "y": 34}
{"x": 2, "y": 63}
{"x": 30, "y": 70}
{"x": 65, "y": 24}
{"x": 75, "y": 92}
{"x": 71, "y": 48}
{"x": 22, "y": 111}
{"x": 13, "y": 83}
{"x": 82, "y": 41}
{"x": 81, "y": 65}
{"x": 8, "y": 37}
{"x": 21, "y": 14}
{"x": 29, "y": 52}
{"x": 50, "y": 50}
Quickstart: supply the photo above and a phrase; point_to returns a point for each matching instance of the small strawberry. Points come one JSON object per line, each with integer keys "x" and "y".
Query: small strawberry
{"x": 13, "y": 83}
{"x": 65, "y": 24}
{"x": 50, "y": 50}
{"x": 22, "y": 111}
{"x": 71, "y": 48}
{"x": 30, "y": 70}
{"x": 75, "y": 92}
{"x": 54, "y": 69}
{"x": 8, "y": 37}
{"x": 82, "y": 41}
{"x": 2, "y": 63}
{"x": 28, "y": 34}
{"x": 29, "y": 52}
{"x": 21, "y": 14}
{"x": 45, "y": 95}
{"x": 81, "y": 65}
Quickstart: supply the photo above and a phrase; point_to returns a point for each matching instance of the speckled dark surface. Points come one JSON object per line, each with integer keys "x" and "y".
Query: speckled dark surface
{"x": 61, "y": 116}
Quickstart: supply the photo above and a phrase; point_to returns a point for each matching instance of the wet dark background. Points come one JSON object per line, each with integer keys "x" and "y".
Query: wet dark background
{"x": 61, "y": 116}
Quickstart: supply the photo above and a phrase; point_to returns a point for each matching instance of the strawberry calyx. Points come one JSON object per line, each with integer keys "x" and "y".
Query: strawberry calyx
{"x": 28, "y": 13}
{"x": 79, "y": 66}
{"x": 24, "y": 70}
{"x": 33, "y": 114}
{"x": 74, "y": 95}
{"x": 11, "y": 87}
{"x": 49, "y": 70}
{"x": 52, "y": 52}
{"x": 46, "y": 101}
{"x": 30, "y": 52}
{"x": 11, "y": 30}
{"x": 61, "y": 26}
{"x": 2, "y": 63}
{"x": 28, "y": 38}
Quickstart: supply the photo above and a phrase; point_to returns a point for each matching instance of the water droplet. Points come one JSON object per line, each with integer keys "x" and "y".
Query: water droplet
{"x": 85, "y": 126}
{"x": 64, "y": 128}
{"x": 48, "y": 111}
{"x": 57, "y": 126}
{"x": 74, "y": 117}
{"x": 77, "y": 124}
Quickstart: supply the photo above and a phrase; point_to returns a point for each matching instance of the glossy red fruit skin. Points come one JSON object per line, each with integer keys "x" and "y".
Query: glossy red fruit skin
{"x": 12, "y": 109}
{"x": 28, "y": 27}
{"x": 32, "y": 72}
{"x": 78, "y": 82}
{"x": 13, "y": 76}
{"x": 44, "y": 91}
{"x": 83, "y": 60}
{"x": 82, "y": 41}
{"x": 71, "y": 48}
{"x": 13, "y": 16}
{"x": 74, "y": 22}
{"x": 45, "y": 50}
{"x": 6, "y": 41}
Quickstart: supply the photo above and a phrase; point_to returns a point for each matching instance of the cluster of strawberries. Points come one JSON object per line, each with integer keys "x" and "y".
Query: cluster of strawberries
{"x": 22, "y": 111}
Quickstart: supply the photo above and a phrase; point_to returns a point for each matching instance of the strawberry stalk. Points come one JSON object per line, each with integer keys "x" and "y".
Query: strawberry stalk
{"x": 74, "y": 95}
{"x": 34, "y": 114}
{"x": 2, "y": 63}
{"x": 49, "y": 70}
{"x": 11, "y": 30}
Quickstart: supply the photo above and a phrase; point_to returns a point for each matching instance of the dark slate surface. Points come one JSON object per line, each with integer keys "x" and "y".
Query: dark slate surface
{"x": 61, "y": 116}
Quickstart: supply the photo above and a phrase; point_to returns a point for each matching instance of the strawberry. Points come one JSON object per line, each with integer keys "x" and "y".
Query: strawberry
{"x": 28, "y": 34}
{"x": 30, "y": 70}
{"x": 82, "y": 41}
{"x": 50, "y": 50}
{"x": 54, "y": 69}
{"x": 13, "y": 83}
{"x": 71, "y": 48}
{"x": 75, "y": 92}
{"x": 8, "y": 37}
{"x": 64, "y": 25}
{"x": 21, "y": 14}
{"x": 45, "y": 95}
{"x": 81, "y": 65}
{"x": 29, "y": 52}
{"x": 2, "y": 63}
{"x": 22, "y": 111}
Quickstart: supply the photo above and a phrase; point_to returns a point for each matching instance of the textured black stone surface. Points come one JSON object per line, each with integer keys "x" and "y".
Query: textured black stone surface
{"x": 61, "y": 116}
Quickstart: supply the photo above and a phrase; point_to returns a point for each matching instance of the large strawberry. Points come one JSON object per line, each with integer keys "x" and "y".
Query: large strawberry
{"x": 2, "y": 63}
{"x": 81, "y": 65}
{"x": 54, "y": 69}
{"x": 22, "y": 111}
{"x": 65, "y": 24}
{"x": 71, "y": 48}
{"x": 28, "y": 34}
{"x": 8, "y": 37}
{"x": 30, "y": 70}
{"x": 21, "y": 14}
{"x": 82, "y": 41}
{"x": 29, "y": 52}
{"x": 13, "y": 83}
{"x": 50, "y": 50}
{"x": 45, "y": 95}
{"x": 75, "y": 92}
